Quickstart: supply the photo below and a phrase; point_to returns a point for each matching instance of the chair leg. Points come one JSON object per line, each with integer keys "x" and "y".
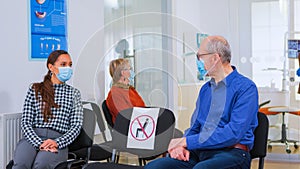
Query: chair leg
{"x": 10, "y": 164}
{"x": 144, "y": 162}
{"x": 140, "y": 161}
{"x": 88, "y": 153}
{"x": 113, "y": 156}
{"x": 261, "y": 163}
{"x": 69, "y": 165}
{"x": 118, "y": 157}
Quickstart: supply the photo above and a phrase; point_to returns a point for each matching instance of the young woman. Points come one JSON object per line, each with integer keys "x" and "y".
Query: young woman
{"x": 52, "y": 117}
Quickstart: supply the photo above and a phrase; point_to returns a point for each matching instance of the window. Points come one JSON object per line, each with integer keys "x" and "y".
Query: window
{"x": 269, "y": 25}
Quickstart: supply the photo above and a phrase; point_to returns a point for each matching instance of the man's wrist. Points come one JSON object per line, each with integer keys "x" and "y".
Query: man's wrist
{"x": 184, "y": 142}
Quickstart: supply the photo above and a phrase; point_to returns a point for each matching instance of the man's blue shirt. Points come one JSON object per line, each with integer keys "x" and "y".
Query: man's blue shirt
{"x": 225, "y": 114}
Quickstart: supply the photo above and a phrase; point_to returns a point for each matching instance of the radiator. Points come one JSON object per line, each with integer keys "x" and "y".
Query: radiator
{"x": 10, "y": 134}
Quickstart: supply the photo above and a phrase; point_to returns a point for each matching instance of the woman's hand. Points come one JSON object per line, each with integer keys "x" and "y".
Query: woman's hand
{"x": 49, "y": 145}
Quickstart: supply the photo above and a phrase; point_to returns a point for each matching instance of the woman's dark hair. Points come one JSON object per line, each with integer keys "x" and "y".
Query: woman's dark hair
{"x": 45, "y": 88}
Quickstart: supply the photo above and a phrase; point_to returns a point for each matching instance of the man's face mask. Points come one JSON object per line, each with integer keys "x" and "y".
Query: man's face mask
{"x": 201, "y": 63}
{"x": 201, "y": 69}
{"x": 64, "y": 74}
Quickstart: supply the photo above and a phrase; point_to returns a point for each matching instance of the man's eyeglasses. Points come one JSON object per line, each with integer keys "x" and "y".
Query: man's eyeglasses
{"x": 198, "y": 56}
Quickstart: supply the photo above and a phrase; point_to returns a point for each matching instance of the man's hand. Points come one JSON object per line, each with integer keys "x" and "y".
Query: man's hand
{"x": 180, "y": 153}
{"x": 177, "y": 149}
{"x": 177, "y": 142}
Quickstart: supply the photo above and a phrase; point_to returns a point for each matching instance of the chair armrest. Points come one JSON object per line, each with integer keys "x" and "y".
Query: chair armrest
{"x": 72, "y": 155}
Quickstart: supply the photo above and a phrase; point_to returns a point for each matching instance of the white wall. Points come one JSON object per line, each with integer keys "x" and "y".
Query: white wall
{"x": 228, "y": 18}
{"x": 84, "y": 18}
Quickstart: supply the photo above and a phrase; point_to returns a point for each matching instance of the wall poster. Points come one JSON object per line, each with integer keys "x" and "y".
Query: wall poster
{"x": 48, "y": 27}
{"x": 293, "y": 48}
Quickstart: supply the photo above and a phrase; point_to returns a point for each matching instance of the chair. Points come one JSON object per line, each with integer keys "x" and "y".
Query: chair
{"x": 10, "y": 164}
{"x": 108, "y": 118}
{"x": 83, "y": 141}
{"x": 164, "y": 133}
{"x": 259, "y": 149}
{"x": 107, "y": 115}
{"x": 100, "y": 151}
{"x": 177, "y": 133}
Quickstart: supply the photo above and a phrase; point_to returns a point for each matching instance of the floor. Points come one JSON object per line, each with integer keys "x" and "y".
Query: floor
{"x": 276, "y": 165}
{"x": 287, "y": 161}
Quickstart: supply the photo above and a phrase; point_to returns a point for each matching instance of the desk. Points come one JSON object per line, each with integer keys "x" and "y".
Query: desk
{"x": 283, "y": 110}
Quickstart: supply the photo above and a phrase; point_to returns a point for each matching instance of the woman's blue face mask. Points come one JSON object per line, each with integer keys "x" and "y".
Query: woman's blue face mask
{"x": 64, "y": 74}
{"x": 131, "y": 78}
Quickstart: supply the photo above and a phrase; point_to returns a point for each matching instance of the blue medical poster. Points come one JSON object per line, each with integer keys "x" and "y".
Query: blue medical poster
{"x": 48, "y": 27}
{"x": 293, "y": 48}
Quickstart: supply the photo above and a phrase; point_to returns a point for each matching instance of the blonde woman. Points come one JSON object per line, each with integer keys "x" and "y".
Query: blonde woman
{"x": 122, "y": 95}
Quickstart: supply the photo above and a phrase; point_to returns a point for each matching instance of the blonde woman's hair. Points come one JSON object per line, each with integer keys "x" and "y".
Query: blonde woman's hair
{"x": 115, "y": 68}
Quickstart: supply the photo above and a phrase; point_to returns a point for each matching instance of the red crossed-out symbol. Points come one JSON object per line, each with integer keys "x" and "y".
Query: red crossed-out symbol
{"x": 149, "y": 121}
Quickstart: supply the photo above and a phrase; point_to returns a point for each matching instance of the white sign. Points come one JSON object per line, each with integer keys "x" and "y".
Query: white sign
{"x": 141, "y": 133}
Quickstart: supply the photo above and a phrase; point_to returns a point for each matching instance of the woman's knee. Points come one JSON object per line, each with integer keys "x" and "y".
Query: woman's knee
{"x": 47, "y": 160}
{"x": 41, "y": 165}
{"x": 44, "y": 164}
{"x": 24, "y": 155}
{"x": 21, "y": 165}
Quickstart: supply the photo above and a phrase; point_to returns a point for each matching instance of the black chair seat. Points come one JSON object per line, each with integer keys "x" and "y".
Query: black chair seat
{"x": 110, "y": 166}
{"x": 95, "y": 155}
{"x": 65, "y": 165}
{"x": 177, "y": 133}
{"x": 165, "y": 126}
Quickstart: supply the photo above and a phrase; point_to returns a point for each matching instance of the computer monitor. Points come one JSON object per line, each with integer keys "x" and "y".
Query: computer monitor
{"x": 293, "y": 48}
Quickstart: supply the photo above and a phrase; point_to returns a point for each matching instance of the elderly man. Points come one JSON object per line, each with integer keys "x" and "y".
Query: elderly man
{"x": 222, "y": 126}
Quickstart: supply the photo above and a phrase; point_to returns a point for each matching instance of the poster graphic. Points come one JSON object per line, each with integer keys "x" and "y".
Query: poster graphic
{"x": 141, "y": 134}
{"x": 293, "y": 48}
{"x": 200, "y": 37}
{"x": 48, "y": 27}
